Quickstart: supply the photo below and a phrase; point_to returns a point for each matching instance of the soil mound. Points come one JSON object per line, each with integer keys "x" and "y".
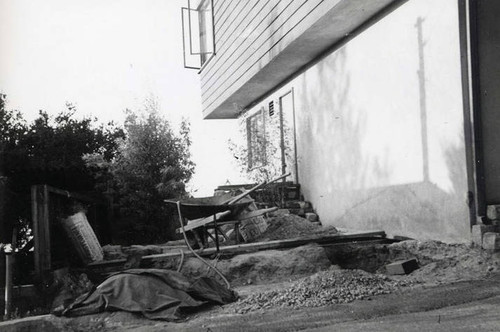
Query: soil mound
{"x": 439, "y": 262}
{"x": 265, "y": 266}
{"x": 289, "y": 226}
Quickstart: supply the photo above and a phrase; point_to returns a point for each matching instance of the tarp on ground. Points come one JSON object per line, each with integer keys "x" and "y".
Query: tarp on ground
{"x": 155, "y": 293}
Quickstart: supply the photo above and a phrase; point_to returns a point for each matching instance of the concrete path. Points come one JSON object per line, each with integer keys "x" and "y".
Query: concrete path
{"x": 483, "y": 315}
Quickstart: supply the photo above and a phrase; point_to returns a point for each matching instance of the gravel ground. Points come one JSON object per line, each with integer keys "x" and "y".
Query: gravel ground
{"x": 333, "y": 286}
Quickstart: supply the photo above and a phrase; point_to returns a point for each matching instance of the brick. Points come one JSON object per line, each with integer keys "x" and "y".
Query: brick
{"x": 478, "y": 232}
{"x": 402, "y": 267}
{"x": 493, "y": 212}
{"x": 491, "y": 241}
{"x": 496, "y": 223}
{"x": 311, "y": 217}
{"x": 482, "y": 220}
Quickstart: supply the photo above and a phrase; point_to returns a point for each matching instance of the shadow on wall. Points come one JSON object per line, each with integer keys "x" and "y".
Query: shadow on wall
{"x": 330, "y": 132}
{"x": 352, "y": 185}
{"x": 417, "y": 210}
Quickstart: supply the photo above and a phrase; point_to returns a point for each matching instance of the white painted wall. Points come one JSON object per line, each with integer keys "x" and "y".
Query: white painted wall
{"x": 359, "y": 133}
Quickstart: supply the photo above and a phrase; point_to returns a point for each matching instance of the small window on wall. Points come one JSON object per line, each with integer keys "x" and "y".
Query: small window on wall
{"x": 271, "y": 108}
{"x": 198, "y": 39}
{"x": 256, "y": 140}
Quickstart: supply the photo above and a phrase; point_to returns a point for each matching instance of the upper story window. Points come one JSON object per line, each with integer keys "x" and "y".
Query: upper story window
{"x": 256, "y": 140}
{"x": 198, "y": 33}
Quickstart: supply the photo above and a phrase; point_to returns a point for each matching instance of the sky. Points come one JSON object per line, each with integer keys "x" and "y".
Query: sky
{"x": 105, "y": 57}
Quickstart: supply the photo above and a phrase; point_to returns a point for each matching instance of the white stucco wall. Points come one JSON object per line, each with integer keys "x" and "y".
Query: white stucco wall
{"x": 359, "y": 128}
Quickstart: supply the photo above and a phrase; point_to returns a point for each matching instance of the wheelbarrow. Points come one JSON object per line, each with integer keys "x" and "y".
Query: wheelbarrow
{"x": 203, "y": 211}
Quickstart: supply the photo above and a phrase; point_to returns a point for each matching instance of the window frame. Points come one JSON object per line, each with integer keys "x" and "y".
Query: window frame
{"x": 251, "y": 132}
{"x": 206, "y": 35}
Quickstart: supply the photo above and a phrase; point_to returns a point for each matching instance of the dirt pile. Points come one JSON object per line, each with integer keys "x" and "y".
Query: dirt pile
{"x": 442, "y": 262}
{"x": 323, "y": 288}
{"x": 264, "y": 266}
{"x": 280, "y": 227}
{"x": 439, "y": 262}
{"x": 289, "y": 226}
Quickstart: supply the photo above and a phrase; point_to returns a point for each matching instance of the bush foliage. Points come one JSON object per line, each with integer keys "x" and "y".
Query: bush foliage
{"x": 141, "y": 164}
{"x": 152, "y": 163}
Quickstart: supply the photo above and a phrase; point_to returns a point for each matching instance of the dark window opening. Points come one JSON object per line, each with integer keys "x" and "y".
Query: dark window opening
{"x": 256, "y": 140}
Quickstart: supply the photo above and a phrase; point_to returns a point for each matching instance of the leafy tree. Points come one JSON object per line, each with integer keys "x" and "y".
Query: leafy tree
{"x": 12, "y": 130}
{"x": 56, "y": 142}
{"x": 153, "y": 163}
{"x": 47, "y": 143}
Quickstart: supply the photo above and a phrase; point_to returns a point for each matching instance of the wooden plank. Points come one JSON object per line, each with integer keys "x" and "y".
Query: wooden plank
{"x": 116, "y": 265}
{"x": 203, "y": 221}
{"x": 255, "y": 213}
{"x": 46, "y": 262}
{"x": 69, "y": 194}
{"x": 206, "y": 221}
{"x": 248, "y": 192}
{"x": 41, "y": 230}
{"x": 245, "y": 216}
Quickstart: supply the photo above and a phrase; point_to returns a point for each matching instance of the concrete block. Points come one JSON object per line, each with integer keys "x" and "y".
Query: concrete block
{"x": 402, "y": 267}
{"x": 312, "y": 217}
{"x": 478, "y": 232}
{"x": 491, "y": 241}
{"x": 493, "y": 212}
{"x": 496, "y": 223}
{"x": 482, "y": 220}
{"x": 298, "y": 212}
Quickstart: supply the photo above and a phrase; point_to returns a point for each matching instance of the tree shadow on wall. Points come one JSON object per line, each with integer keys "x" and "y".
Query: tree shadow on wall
{"x": 332, "y": 133}
{"x": 331, "y": 129}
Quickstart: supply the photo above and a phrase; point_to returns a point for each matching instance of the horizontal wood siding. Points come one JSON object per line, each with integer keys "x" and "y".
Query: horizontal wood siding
{"x": 248, "y": 35}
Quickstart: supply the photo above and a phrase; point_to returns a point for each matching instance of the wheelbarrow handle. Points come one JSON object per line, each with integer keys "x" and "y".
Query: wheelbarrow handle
{"x": 246, "y": 193}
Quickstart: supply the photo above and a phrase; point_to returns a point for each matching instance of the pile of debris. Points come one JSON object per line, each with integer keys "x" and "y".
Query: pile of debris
{"x": 264, "y": 266}
{"x": 279, "y": 226}
{"x": 328, "y": 287}
{"x": 439, "y": 262}
{"x": 289, "y": 226}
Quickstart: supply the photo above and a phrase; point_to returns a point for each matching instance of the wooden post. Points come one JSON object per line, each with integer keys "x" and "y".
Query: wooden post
{"x": 3, "y": 226}
{"x": 8, "y": 284}
{"x": 36, "y": 230}
{"x": 41, "y": 229}
{"x": 9, "y": 271}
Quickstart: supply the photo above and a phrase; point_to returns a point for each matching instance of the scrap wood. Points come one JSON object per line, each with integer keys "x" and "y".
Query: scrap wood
{"x": 248, "y": 215}
{"x": 248, "y": 192}
{"x": 340, "y": 238}
{"x": 203, "y": 221}
{"x": 256, "y": 213}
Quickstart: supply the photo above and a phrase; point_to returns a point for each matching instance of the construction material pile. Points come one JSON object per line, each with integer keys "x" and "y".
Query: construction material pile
{"x": 333, "y": 286}
{"x": 289, "y": 226}
{"x": 439, "y": 262}
{"x": 264, "y": 266}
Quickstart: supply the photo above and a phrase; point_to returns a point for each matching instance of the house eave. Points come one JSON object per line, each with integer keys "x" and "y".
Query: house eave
{"x": 346, "y": 19}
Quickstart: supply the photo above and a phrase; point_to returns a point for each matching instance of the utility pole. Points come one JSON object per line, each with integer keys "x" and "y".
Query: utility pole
{"x": 423, "y": 99}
